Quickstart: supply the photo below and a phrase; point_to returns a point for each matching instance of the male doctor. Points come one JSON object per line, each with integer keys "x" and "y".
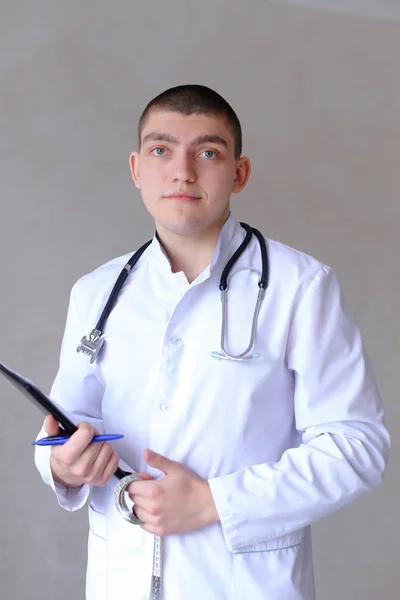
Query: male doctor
{"x": 237, "y": 458}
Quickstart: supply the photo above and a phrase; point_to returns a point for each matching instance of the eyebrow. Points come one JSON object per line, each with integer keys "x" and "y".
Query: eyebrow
{"x": 158, "y": 136}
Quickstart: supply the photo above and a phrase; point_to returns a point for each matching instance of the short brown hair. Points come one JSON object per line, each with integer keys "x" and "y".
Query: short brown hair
{"x": 195, "y": 99}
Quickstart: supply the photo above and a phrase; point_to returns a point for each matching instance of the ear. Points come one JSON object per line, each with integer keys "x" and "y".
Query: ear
{"x": 243, "y": 170}
{"x": 134, "y": 166}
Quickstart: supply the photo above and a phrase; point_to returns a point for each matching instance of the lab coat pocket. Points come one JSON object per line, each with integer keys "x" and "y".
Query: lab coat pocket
{"x": 96, "y": 577}
{"x": 270, "y": 570}
{"x": 97, "y": 523}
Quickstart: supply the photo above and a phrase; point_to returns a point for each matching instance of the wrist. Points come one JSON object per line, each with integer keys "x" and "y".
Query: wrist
{"x": 210, "y": 510}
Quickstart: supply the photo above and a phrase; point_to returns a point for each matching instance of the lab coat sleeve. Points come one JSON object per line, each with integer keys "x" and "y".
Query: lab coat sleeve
{"x": 338, "y": 411}
{"x": 68, "y": 498}
{"x": 78, "y": 392}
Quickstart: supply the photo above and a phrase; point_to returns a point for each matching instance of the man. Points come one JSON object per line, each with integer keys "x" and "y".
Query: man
{"x": 237, "y": 458}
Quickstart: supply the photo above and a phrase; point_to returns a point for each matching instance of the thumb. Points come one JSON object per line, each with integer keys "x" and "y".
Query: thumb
{"x": 145, "y": 476}
{"x": 160, "y": 462}
{"x": 51, "y": 425}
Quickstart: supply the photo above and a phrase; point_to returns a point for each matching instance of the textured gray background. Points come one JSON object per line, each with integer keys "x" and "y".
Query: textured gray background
{"x": 318, "y": 93}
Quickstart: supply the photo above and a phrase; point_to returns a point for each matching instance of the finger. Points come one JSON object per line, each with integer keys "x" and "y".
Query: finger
{"x": 87, "y": 428}
{"x": 82, "y": 466}
{"x": 160, "y": 462}
{"x": 104, "y": 466}
{"x": 73, "y": 449}
{"x": 145, "y": 516}
{"x": 51, "y": 425}
{"x": 145, "y": 476}
{"x": 92, "y": 462}
{"x": 109, "y": 469}
{"x": 154, "y": 529}
{"x": 143, "y": 489}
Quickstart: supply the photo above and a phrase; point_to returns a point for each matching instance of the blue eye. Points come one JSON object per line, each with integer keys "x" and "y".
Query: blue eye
{"x": 158, "y": 151}
{"x": 209, "y": 154}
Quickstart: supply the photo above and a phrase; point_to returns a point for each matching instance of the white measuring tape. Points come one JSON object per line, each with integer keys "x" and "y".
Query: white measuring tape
{"x": 127, "y": 513}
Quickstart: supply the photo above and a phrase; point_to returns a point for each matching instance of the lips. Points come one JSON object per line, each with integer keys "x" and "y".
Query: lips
{"x": 178, "y": 196}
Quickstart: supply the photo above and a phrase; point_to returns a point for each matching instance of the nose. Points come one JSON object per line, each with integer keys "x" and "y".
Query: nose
{"x": 183, "y": 168}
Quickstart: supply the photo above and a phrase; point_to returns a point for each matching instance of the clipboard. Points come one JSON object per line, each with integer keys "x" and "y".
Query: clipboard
{"x": 44, "y": 404}
{"x": 38, "y": 398}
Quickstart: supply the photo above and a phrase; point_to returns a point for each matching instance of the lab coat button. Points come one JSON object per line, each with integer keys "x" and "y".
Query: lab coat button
{"x": 176, "y": 340}
{"x": 165, "y": 407}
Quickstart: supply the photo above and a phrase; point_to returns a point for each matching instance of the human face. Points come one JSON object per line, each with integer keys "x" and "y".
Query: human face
{"x": 186, "y": 171}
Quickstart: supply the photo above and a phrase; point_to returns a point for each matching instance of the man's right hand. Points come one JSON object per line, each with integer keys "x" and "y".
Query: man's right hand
{"x": 78, "y": 461}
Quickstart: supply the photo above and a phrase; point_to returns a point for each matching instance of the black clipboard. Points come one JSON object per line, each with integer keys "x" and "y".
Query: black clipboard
{"x": 38, "y": 398}
{"x": 44, "y": 404}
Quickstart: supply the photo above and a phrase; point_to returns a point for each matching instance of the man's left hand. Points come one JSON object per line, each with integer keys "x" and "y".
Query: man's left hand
{"x": 178, "y": 503}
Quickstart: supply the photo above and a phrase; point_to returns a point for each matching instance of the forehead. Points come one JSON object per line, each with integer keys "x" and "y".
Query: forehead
{"x": 187, "y": 127}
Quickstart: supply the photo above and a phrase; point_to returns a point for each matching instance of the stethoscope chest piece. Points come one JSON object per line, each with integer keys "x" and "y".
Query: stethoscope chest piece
{"x": 91, "y": 345}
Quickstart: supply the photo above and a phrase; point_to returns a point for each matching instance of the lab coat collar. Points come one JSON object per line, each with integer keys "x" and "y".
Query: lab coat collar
{"x": 230, "y": 234}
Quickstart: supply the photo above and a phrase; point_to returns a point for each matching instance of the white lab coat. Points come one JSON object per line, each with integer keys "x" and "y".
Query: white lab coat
{"x": 284, "y": 440}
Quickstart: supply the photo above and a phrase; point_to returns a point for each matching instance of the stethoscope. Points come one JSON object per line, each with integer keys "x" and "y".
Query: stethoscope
{"x": 92, "y": 344}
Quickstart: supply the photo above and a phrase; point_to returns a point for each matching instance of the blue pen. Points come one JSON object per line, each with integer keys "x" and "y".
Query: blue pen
{"x": 61, "y": 439}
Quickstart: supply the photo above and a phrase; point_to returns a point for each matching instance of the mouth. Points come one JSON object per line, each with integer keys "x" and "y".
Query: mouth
{"x": 182, "y": 197}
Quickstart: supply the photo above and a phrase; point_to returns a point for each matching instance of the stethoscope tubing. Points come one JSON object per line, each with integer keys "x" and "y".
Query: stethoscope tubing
{"x": 92, "y": 345}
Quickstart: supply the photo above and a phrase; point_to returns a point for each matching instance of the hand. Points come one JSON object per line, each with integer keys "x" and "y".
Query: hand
{"x": 78, "y": 461}
{"x": 178, "y": 503}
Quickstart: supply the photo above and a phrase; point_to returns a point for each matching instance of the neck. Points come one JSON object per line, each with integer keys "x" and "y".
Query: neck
{"x": 190, "y": 253}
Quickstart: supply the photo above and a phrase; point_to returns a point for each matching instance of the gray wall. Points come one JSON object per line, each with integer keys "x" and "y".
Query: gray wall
{"x": 318, "y": 93}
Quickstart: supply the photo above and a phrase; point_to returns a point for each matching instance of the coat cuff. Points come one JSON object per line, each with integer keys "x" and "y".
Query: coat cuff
{"x": 68, "y": 498}
{"x": 220, "y": 496}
